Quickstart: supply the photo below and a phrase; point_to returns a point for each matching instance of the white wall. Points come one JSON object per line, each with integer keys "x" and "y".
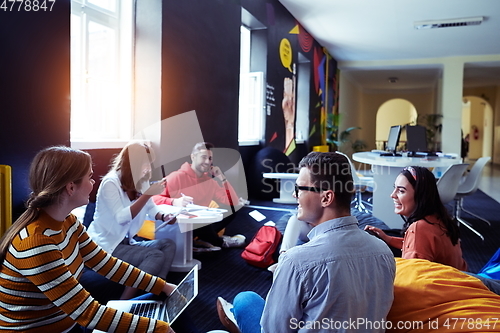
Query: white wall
{"x": 489, "y": 95}
{"x": 394, "y": 112}
{"x": 444, "y": 99}
{"x": 466, "y": 117}
{"x": 360, "y": 108}
{"x": 480, "y": 117}
{"x": 350, "y": 109}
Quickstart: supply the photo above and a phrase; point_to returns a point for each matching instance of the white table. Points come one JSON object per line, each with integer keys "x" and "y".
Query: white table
{"x": 182, "y": 234}
{"x": 287, "y": 186}
{"x": 385, "y": 170}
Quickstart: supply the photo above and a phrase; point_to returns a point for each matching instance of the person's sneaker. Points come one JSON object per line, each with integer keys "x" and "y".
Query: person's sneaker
{"x": 233, "y": 241}
{"x": 202, "y": 246}
{"x": 226, "y": 316}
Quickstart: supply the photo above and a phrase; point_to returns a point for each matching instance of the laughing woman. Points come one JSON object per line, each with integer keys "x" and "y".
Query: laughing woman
{"x": 430, "y": 233}
{"x": 43, "y": 253}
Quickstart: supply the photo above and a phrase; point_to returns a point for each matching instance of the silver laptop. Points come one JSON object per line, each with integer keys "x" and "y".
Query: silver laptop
{"x": 167, "y": 310}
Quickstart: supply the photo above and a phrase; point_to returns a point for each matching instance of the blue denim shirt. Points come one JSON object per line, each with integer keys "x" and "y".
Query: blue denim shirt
{"x": 340, "y": 281}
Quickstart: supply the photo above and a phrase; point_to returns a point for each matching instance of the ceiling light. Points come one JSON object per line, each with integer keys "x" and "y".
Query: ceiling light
{"x": 459, "y": 22}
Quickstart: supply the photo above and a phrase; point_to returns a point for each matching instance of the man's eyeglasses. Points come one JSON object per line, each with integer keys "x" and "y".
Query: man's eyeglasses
{"x": 306, "y": 188}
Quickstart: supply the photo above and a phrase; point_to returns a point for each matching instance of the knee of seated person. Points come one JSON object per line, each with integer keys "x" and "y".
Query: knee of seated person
{"x": 246, "y": 298}
{"x": 156, "y": 253}
{"x": 152, "y": 262}
{"x": 166, "y": 242}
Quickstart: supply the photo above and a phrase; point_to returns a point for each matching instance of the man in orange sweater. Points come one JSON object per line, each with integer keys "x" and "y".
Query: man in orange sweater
{"x": 201, "y": 183}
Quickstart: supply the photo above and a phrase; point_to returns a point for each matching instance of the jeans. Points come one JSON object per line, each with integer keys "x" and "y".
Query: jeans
{"x": 492, "y": 284}
{"x": 247, "y": 309}
{"x": 151, "y": 256}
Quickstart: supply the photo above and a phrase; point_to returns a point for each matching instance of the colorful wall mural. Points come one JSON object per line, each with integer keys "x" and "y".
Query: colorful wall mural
{"x": 286, "y": 39}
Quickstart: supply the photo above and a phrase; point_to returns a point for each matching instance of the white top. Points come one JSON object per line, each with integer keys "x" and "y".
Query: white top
{"x": 199, "y": 215}
{"x": 401, "y": 161}
{"x": 112, "y": 217}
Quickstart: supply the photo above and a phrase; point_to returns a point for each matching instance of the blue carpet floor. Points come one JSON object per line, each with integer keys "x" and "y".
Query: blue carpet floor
{"x": 225, "y": 273}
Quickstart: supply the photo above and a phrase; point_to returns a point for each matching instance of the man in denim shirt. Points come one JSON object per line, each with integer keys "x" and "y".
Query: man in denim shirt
{"x": 339, "y": 281}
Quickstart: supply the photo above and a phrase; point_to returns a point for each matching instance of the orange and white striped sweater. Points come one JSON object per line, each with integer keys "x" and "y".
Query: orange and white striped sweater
{"x": 39, "y": 289}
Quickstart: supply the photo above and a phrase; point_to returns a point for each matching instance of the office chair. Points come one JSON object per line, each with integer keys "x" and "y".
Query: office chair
{"x": 468, "y": 187}
{"x": 360, "y": 183}
{"x": 448, "y": 183}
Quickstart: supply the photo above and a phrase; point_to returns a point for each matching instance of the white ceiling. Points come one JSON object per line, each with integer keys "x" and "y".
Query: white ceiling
{"x": 375, "y": 40}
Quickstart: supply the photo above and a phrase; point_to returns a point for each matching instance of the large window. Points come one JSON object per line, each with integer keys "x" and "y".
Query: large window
{"x": 253, "y": 54}
{"x": 101, "y": 73}
{"x": 251, "y": 112}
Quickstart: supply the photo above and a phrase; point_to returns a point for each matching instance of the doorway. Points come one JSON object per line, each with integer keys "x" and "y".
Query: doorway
{"x": 393, "y": 112}
{"x": 477, "y": 126}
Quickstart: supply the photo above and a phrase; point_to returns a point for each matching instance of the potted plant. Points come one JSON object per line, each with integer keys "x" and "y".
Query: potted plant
{"x": 341, "y": 141}
{"x": 433, "y": 127}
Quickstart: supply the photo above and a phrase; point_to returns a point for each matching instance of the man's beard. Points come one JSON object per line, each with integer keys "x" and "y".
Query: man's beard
{"x": 203, "y": 168}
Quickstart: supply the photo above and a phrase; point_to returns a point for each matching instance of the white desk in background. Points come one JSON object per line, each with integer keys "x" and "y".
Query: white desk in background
{"x": 385, "y": 170}
{"x": 287, "y": 186}
{"x": 182, "y": 234}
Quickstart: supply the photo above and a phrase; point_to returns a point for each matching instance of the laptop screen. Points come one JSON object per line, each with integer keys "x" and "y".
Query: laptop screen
{"x": 185, "y": 292}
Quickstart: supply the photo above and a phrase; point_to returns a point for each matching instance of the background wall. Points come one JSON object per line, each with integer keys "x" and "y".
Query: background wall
{"x": 359, "y": 108}
{"x": 489, "y": 144}
{"x": 34, "y": 89}
{"x": 280, "y": 26}
{"x": 198, "y": 66}
{"x": 394, "y": 112}
{"x": 350, "y": 105}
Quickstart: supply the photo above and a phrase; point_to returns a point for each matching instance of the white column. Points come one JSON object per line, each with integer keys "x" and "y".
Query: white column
{"x": 451, "y": 105}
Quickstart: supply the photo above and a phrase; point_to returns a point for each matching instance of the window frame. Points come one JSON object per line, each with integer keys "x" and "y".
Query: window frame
{"x": 252, "y": 74}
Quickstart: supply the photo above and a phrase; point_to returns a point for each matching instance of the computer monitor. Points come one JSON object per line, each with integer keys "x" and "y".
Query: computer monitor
{"x": 393, "y": 139}
{"x": 416, "y": 139}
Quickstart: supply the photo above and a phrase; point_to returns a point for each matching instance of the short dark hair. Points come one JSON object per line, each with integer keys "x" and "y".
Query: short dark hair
{"x": 427, "y": 201}
{"x": 202, "y": 146}
{"x": 331, "y": 171}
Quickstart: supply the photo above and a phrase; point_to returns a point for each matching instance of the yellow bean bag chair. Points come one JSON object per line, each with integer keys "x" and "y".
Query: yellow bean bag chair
{"x": 431, "y": 297}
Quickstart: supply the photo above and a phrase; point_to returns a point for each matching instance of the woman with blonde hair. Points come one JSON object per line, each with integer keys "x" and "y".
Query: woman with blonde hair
{"x": 43, "y": 253}
{"x": 123, "y": 204}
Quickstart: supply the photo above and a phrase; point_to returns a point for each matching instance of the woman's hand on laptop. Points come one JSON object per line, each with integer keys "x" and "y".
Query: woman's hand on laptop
{"x": 169, "y": 288}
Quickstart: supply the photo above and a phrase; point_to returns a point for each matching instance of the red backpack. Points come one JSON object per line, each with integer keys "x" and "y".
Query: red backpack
{"x": 260, "y": 251}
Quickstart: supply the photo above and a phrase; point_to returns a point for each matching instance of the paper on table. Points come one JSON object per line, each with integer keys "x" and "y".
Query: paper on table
{"x": 195, "y": 208}
{"x": 258, "y": 216}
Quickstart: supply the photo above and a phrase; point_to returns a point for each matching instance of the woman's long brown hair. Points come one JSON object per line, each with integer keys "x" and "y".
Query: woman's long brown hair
{"x": 51, "y": 170}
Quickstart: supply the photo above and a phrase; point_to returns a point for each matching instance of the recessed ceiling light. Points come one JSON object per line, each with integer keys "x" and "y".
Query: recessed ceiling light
{"x": 458, "y": 22}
